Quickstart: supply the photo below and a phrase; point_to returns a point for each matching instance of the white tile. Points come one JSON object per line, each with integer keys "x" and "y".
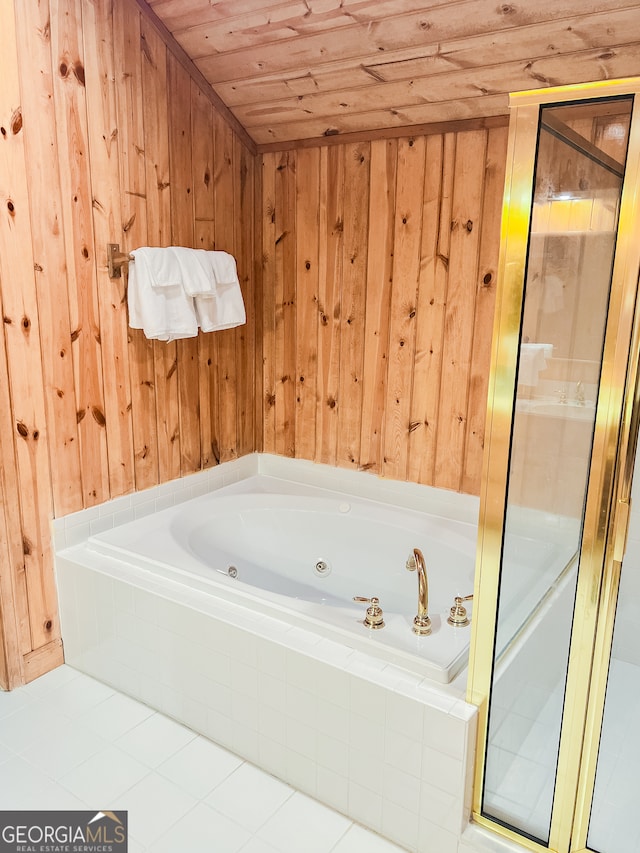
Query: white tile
{"x": 403, "y": 752}
{"x": 402, "y": 789}
{"x": 14, "y": 700}
{"x": 364, "y": 806}
{"x": 115, "y": 716}
{"x": 103, "y": 777}
{"x": 440, "y": 808}
{"x": 78, "y": 695}
{"x": 367, "y": 700}
{"x": 332, "y": 789}
{"x": 366, "y": 769}
{"x": 21, "y": 729}
{"x": 199, "y": 766}
{"x": 400, "y": 825}
{"x": 202, "y": 828}
{"x": 5, "y": 753}
{"x": 21, "y": 784}
{"x": 154, "y": 805}
{"x": 54, "y": 797}
{"x": 360, "y": 840}
{"x": 303, "y": 824}
{"x": 50, "y": 681}
{"x": 333, "y": 754}
{"x": 72, "y": 745}
{"x": 445, "y": 733}
{"x": 257, "y": 845}
{"x": 302, "y": 773}
{"x": 155, "y": 739}
{"x": 442, "y": 770}
{"x": 249, "y": 796}
{"x": 435, "y": 839}
{"x": 405, "y": 715}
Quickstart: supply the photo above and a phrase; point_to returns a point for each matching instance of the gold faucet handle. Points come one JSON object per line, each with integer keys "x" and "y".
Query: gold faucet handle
{"x": 374, "y": 618}
{"x": 458, "y": 614}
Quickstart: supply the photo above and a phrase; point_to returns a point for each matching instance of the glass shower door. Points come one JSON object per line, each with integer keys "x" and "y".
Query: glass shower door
{"x": 580, "y": 158}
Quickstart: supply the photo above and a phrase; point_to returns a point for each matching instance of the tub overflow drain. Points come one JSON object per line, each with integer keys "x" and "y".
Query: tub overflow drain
{"x": 322, "y": 568}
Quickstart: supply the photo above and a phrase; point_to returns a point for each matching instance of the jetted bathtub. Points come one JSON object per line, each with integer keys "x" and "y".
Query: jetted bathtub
{"x": 302, "y": 553}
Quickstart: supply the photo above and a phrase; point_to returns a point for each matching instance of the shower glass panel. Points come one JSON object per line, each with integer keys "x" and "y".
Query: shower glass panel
{"x": 577, "y": 187}
{"x": 613, "y": 825}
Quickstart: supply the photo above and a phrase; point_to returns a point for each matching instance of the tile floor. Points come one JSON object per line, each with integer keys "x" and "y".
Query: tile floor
{"x": 69, "y": 742}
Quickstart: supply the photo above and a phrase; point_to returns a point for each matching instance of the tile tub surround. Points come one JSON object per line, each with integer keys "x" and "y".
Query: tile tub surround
{"x": 387, "y": 748}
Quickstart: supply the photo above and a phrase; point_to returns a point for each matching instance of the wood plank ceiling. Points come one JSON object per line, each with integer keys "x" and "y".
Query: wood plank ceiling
{"x": 300, "y": 69}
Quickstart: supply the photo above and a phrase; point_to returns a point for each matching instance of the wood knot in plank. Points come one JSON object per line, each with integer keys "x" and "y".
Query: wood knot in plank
{"x": 98, "y": 416}
{"x": 16, "y": 121}
{"x": 27, "y": 546}
{"x": 23, "y": 430}
{"x": 469, "y": 225}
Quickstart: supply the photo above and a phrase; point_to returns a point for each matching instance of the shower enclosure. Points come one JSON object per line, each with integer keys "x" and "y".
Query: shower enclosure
{"x": 559, "y": 455}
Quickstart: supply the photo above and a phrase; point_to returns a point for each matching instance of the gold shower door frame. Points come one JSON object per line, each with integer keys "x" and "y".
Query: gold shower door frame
{"x": 610, "y": 472}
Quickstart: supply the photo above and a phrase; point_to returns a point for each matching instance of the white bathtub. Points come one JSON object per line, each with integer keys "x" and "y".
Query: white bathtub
{"x": 276, "y": 664}
{"x": 273, "y": 534}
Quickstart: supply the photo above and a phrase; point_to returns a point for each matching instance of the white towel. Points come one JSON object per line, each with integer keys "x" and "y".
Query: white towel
{"x": 160, "y": 266}
{"x": 157, "y": 301}
{"x": 223, "y": 311}
{"x": 226, "y": 309}
{"x": 197, "y": 275}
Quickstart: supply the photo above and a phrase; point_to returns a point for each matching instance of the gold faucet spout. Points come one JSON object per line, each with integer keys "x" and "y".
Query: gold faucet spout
{"x": 422, "y": 622}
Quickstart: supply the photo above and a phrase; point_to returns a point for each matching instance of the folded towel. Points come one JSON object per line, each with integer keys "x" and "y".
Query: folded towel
{"x": 160, "y": 266}
{"x": 197, "y": 275}
{"x": 162, "y": 310}
{"x": 224, "y": 268}
{"x": 172, "y": 291}
{"x": 223, "y": 311}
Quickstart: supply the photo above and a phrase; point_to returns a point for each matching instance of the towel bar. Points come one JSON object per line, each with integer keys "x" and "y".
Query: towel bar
{"x": 116, "y": 260}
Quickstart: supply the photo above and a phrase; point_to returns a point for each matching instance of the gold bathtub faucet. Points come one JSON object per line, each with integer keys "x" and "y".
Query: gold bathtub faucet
{"x": 422, "y": 622}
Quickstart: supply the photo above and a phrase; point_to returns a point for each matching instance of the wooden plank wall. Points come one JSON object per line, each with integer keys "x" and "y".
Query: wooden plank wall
{"x": 107, "y": 135}
{"x": 379, "y": 275}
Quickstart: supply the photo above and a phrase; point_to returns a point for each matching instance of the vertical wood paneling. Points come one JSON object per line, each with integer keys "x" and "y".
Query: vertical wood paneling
{"x": 158, "y": 198}
{"x": 102, "y": 134}
{"x": 432, "y": 297}
{"x": 285, "y": 311}
{"x": 402, "y": 323}
{"x": 245, "y": 335}
{"x": 382, "y": 200}
{"x": 486, "y": 283}
{"x": 405, "y": 229}
{"x": 100, "y": 144}
{"x": 128, "y": 59}
{"x": 307, "y": 234}
{"x": 331, "y": 218}
{"x": 39, "y": 127}
{"x": 268, "y": 258}
{"x": 24, "y": 368}
{"x": 202, "y": 158}
{"x": 466, "y": 214}
{"x": 226, "y": 367}
{"x": 353, "y": 300}
{"x": 73, "y": 147}
{"x": 15, "y": 637}
{"x": 183, "y": 234}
